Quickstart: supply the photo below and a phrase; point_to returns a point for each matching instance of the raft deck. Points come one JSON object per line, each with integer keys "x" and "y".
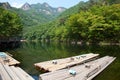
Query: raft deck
{"x": 58, "y": 64}
{"x": 85, "y": 71}
{"x": 13, "y": 73}
{"x": 7, "y": 59}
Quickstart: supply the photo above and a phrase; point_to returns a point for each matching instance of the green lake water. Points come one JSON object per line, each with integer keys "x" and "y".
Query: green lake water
{"x": 33, "y": 52}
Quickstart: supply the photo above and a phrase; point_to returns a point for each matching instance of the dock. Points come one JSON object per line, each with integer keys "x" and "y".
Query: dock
{"x": 86, "y": 71}
{"x": 13, "y": 73}
{"x": 58, "y": 64}
{"x": 7, "y": 59}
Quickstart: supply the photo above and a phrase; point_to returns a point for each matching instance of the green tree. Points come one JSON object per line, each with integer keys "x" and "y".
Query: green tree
{"x": 10, "y": 24}
{"x": 105, "y": 24}
{"x": 76, "y": 26}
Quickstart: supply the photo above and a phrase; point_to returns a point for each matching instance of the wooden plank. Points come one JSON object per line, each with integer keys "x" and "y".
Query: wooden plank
{"x": 64, "y": 73}
{"x": 82, "y": 73}
{"x": 0, "y": 77}
{"x": 11, "y": 73}
{"x": 90, "y": 78}
{"x": 69, "y": 64}
{"x": 4, "y": 74}
{"x": 12, "y": 61}
{"x": 8, "y": 60}
{"x": 75, "y": 67}
{"x": 87, "y": 73}
{"x": 65, "y": 62}
{"x": 18, "y": 73}
{"x": 28, "y": 77}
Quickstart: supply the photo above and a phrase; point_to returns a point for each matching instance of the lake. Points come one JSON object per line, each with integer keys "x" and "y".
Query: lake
{"x": 32, "y": 52}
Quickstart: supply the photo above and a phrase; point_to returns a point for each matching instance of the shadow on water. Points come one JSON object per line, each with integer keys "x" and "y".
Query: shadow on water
{"x": 33, "y": 52}
{"x": 5, "y": 46}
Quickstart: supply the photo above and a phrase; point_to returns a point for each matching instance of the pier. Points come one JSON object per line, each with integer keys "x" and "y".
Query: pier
{"x": 58, "y": 64}
{"x": 86, "y": 71}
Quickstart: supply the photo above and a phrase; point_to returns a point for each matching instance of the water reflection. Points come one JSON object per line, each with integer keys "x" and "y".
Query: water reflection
{"x": 33, "y": 52}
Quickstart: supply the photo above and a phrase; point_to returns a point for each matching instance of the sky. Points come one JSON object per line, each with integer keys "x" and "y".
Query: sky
{"x": 53, "y": 3}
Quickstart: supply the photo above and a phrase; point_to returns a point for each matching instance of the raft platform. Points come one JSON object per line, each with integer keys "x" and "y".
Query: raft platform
{"x": 7, "y": 59}
{"x": 58, "y": 64}
{"x": 13, "y": 73}
{"x": 8, "y": 71}
{"x": 86, "y": 71}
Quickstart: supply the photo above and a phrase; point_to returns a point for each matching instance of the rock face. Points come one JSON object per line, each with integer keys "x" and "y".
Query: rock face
{"x": 43, "y": 8}
{"x": 46, "y": 4}
{"x": 61, "y": 9}
{"x": 5, "y": 5}
{"x": 26, "y": 6}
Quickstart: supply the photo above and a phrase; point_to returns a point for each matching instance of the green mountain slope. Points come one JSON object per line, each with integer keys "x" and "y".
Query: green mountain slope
{"x": 83, "y": 6}
{"x": 35, "y": 14}
{"x": 70, "y": 24}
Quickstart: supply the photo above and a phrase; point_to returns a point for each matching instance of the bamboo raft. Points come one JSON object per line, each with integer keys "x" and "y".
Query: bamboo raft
{"x": 58, "y": 64}
{"x": 13, "y": 73}
{"x": 7, "y": 59}
{"x": 85, "y": 71}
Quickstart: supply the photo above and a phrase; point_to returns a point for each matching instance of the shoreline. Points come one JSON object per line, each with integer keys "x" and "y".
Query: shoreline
{"x": 78, "y": 43}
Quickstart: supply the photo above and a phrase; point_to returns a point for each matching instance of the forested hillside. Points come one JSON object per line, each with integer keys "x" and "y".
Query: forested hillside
{"x": 36, "y": 14}
{"x": 93, "y": 21}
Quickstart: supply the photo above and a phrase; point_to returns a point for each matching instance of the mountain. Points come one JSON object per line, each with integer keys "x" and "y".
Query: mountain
{"x": 75, "y": 9}
{"x": 5, "y": 5}
{"x": 44, "y": 8}
{"x": 26, "y": 6}
{"x": 83, "y": 6}
{"x": 61, "y": 9}
{"x": 36, "y": 14}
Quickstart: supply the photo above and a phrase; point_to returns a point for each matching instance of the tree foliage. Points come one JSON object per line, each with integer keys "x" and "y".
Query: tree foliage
{"x": 10, "y": 24}
{"x": 105, "y": 23}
